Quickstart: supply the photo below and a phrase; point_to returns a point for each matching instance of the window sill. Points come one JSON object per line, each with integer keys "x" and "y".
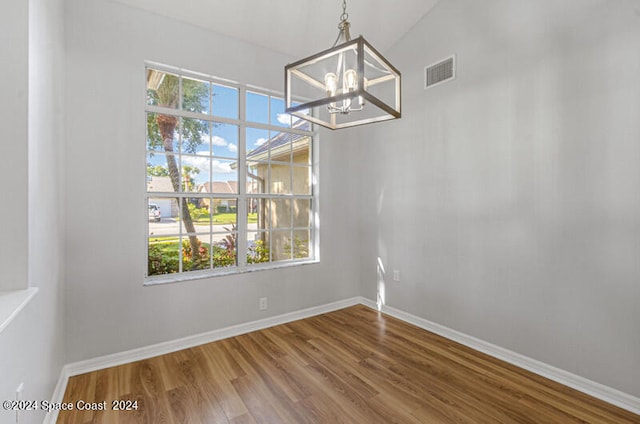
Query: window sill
{"x": 12, "y": 302}
{"x": 222, "y": 272}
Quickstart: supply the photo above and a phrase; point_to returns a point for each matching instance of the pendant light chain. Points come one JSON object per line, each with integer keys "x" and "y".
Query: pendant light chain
{"x": 343, "y": 34}
{"x": 344, "y": 15}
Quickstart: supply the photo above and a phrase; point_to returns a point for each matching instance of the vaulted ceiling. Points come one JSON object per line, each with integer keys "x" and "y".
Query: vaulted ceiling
{"x": 298, "y": 28}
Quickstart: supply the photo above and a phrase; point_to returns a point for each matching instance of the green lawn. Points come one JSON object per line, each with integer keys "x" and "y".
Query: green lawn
{"x": 163, "y": 240}
{"x": 225, "y": 219}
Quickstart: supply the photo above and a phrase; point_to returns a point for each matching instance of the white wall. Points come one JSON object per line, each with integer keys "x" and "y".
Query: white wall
{"x": 108, "y": 308}
{"x": 32, "y": 347}
{"x": 509, "y": 199}
{"x": 14, "y": 33}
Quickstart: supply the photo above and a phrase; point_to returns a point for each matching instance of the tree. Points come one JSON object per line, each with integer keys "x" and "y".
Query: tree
{"x": 157, "y": 171}
{"x": 161, "y": 131}
{"x": 188, "y": 173}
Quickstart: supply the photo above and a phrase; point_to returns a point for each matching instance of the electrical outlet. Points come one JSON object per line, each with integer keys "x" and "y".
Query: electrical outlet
{"x": 263, "y": 303}
{"x": 396, "y": 275}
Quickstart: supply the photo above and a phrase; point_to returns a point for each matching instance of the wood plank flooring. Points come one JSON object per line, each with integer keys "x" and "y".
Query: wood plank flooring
{"x": 350, "y": 366}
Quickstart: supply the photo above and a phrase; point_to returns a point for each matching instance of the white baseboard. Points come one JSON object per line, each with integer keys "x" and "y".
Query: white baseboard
{"x": 597, "y": 390}
{"x": 58, "y": 395}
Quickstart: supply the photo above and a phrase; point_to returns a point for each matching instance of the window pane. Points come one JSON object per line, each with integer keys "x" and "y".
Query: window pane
{"x": 278, "y": 115}
{"x": 224, "y": 214}
{"x": 162, "y": 89}
{"x": 257, "y": 146}
{"x": 301, "y": 147}
{"x": 163, "y": 212}
{"x": 194, "y": 172}
{"x": 301, "y": 213}
{"x": 160, "y": 129}
{"x": 257, "y": 247}
{"x": 225, "y": 172}
{"x": 280, "y": 179}
{"x": 200, "y": 210}
{"x": 196, "y": 252}
{"x": 281, "y": 245}
{"x": 257, "y": 175}
{"x": 300, "y": 244}
{"x": 188, "y": 216}
{"x": 257, "y": 109}
{"x": 280, "y": 213}
{"x": 225, "y": 101}
{"x": 225, "y": 249}
{"x": 158, "y": 179}
{"x": 195, "y": 95}
{"x": 302, "y": 180}
{"x": 195, "y": 135}
{"x": 224, "y": 140}
{"x": 280, "y": 146}
{"x": 257, "y": 213}
{"x": 164, "y": 257}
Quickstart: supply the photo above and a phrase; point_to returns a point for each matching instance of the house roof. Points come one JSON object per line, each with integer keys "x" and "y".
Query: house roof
{"x": 279, "y": 140}
{"x": 159, "y": 184}
{"x": 224, "y": 187}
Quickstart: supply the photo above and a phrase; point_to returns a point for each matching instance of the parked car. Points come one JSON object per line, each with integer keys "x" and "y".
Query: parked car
{"x": 154, "y": 212}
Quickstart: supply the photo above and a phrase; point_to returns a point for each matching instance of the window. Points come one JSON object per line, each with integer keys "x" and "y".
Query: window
{"x": 229, "y": 178}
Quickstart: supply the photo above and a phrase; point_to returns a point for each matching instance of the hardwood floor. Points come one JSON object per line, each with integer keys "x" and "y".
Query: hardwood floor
{"x": 350, "y": 366}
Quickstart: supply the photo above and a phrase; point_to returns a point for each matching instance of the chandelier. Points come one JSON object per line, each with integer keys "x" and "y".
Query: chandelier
{"x": 347, "y": 85}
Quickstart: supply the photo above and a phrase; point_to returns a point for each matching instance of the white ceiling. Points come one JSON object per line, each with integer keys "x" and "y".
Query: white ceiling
{"x": 298, "y": 28}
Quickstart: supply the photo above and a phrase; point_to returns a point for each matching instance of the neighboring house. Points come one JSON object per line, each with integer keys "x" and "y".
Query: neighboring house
{"x": 218, "y": 187}
{"x": 282, "y": 166}
{"x": 168, "y": 205}
{"x": 277, "y": 150}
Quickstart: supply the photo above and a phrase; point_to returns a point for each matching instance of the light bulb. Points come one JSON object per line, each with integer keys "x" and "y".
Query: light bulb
{"x": 331, "y": 83}
{"x": 350, "y": 80}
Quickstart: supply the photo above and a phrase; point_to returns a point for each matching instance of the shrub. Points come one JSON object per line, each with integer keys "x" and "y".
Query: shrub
{"x": 191, "y": 262}
{"x": 162, "y": 260}
{"x": 223, "y": 257}
{"x": 197, "y": 213}
{"x": 164, "y": 255}
{"x": 300, "y": 248}
{"x": 258, "y": 252}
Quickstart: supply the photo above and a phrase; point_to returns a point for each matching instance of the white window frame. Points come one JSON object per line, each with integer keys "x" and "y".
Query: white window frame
{"x": 242, "y": 196}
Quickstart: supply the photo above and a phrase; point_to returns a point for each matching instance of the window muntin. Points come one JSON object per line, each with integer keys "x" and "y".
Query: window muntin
{"x": 231, "y": 173}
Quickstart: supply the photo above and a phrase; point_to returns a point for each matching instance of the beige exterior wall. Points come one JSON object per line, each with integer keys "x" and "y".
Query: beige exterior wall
{"x": 279, "y": 182}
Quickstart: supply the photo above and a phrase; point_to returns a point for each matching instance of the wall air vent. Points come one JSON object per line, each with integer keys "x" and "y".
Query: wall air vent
{"x": 439, "y": 72}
